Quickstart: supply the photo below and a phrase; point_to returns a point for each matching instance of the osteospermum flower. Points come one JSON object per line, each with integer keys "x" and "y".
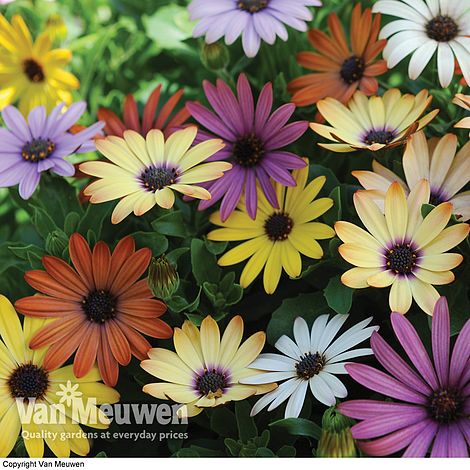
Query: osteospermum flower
{"x": 339, "y": 69}
{"x": 464, "y": 102}
{"x": 435, "y": 160}
{"x": 165, "y": 119}
{"x": 254, "y": 20}
{"x": 424, "y": 27}
{"x": 99, "y": 307}
{"x": 205, "y": 369}
{"x": 277, "y": 237}
{"x": 313, "y": 359}
{"x": 254, "y": 140}
{"x": 41, "y": 144}
{"x": 30, "y": 72}
{"x": 145, "y": 171}
{"x": 24, "y": 377}
{"x": 431, "y": 414}
{"x": 375, "y": 123}
{"x": 401, "y": 249}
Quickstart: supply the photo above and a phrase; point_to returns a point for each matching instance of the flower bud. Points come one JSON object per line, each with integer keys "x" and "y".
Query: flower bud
{"x": 56, "y": 28}
{"x": 336, "y": 439}
{"x": 56, "y": 242}
{"x": 215, "y": 56}
{"x": 163, "y": 279}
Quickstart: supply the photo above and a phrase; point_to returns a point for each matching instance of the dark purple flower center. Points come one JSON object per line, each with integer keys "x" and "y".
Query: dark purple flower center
{"x": 33, "y": 71}
{"x": 437, "y": 198}
{"x": 401, "y": 258}
{"x": 211, "y": 382}
{"x": 99, "y": 306}
{"x": 445, "y": 405}
{"x": 379, "y": 137}
{"x": 154, "y": 178}
{"x": 37, "y": 149}
{"x": 278, "y": 226}
{"x": 442, "y": 28}
{"x": 252, "y": 6}
{"x": 248, "y": 151}
{"x": 310, "y": 365}
{"x": 352, "y": 69}
{"x": 28, "y": 381}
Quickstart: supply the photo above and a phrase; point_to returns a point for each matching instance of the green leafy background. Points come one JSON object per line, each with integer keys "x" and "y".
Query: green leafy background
{"x": 124, "y": 46}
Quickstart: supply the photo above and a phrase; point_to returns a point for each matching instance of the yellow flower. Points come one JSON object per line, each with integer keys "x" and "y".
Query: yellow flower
{"x": 23, "y": 378}
{"x": 205, "y": 370}
{"x": 436, "y": 160}
{"x": 401, "y": 249}
{"x": 464, "y": 102}
{"x": 276, "y": 237}
{"x": 145, "y": 171}
{"x": 373, "y": 123}
{"x": 30, "y": 71}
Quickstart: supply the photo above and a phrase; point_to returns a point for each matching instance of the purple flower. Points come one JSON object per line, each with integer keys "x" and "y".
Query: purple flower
{"x": 436, "y": 393}
{"x": 253, "y": 19}
{"x": 253, "y": 138}
{"x": 29, "y": 148}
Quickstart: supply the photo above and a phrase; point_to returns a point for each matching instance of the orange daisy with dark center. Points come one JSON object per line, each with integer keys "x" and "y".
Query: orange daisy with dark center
{"x": 341, "y": 64}
{"x": 101, "y": 308}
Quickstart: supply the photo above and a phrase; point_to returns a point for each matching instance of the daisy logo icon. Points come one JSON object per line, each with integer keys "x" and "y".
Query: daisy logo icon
{"x": 69, "y": 393}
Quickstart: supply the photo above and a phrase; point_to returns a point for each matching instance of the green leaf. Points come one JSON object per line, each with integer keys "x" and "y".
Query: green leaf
{"x": 71, "y": 223}
{"x": 42, "y": 222}
{"x": 216, "y": 248}
{"x": 264, "y": 452}
{"x": 23, "y": 251}
{"x": 233, "y": 446}
{"x": 204, "y": 263}
{"x": 157, "y": 243}
{"x": 246, "y": 425}
{"x": 171, "y": 224}
{"x": 174, "y": 255}
{"x": 308, "y": 306}
{"x": 286, "y": 451}
{"x": 223, "y": 422}
{"x": 169, "y": 27}
{"x": 179, "y": 304}
{"x": 299, "y": 427}
{"x": 94, "y": 217}
{"x": 338, "y": 296}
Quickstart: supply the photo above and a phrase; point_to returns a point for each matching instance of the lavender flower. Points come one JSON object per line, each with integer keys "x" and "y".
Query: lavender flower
{"x": 436, "y": 395}
{"x": 255, "y": 20}
{"x": 41, "y": 144}
{"x": 253, "y": 138}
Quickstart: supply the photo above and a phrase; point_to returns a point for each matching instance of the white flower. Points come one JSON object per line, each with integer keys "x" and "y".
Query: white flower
{"x": 426, "y": 26}
{"x": 313, "y": 359}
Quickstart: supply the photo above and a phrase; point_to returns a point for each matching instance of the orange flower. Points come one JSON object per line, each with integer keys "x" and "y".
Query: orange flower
{"x": 100, "y": 307}
{"x": 165, "y": 120}
{"x": 338, "y": 69}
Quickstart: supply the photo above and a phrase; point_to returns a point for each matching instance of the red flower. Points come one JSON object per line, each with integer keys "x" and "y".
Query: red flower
{"x": 163, "y": 121}
{"x": 101, "y": 307}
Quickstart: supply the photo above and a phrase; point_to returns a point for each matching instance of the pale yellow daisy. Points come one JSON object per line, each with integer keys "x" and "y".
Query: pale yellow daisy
{"x": 146, "y": 171}
{"x": 464, "y": 102}
{"x": 400, "y": 248}
{"x": 373, "y": 123}
{"x": 205, "y": 369}
{"x": 436, "y": 160}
